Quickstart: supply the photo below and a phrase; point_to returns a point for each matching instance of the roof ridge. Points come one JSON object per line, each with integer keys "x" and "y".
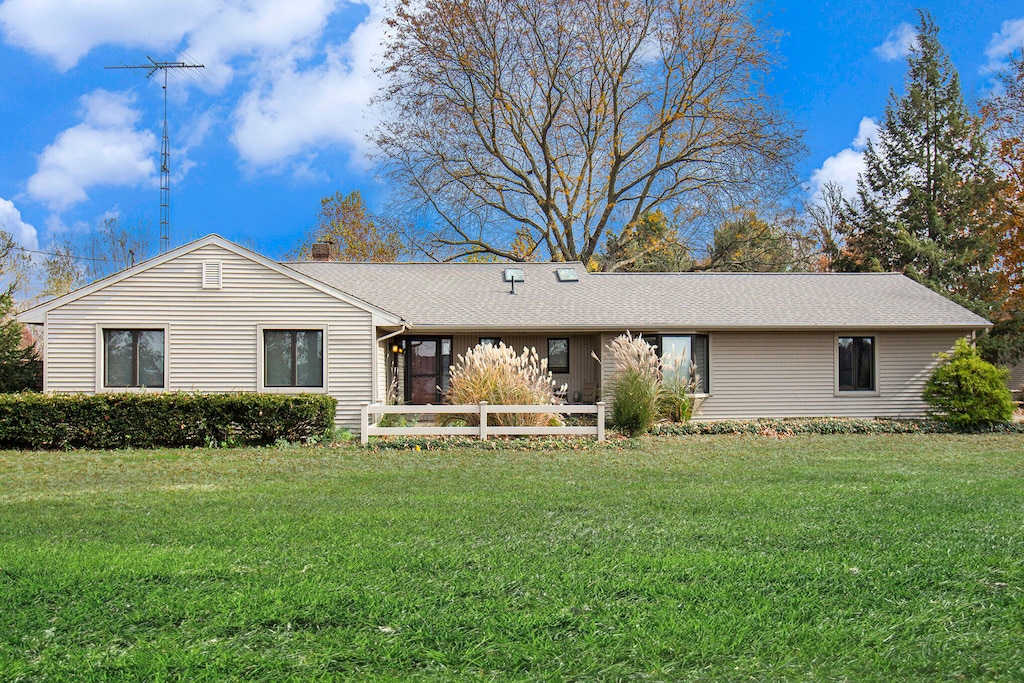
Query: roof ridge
{"x": 505, "y": 264}
{"x": 740, "y": 272}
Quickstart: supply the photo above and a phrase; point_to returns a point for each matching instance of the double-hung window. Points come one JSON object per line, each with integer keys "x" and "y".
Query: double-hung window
{"x": 133, "y": 358}
{"x": 293, "y": 358}
{"x": 856, "y": 364}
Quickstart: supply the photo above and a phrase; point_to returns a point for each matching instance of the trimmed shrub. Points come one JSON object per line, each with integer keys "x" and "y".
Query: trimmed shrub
{"x": 636, "y": 385}
{"x": 968, "y": 391}
{"x": 500, "y": 376}
{"x": 172, "y": 420}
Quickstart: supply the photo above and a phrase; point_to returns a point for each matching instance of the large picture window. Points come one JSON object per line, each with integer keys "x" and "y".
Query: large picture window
{"x": 856, "y": 363}
{"x": 133, "y": 358}
{"x": 558, "y": 355}
{"x": 293, "y": 358}
{"x": 683, "y": 354}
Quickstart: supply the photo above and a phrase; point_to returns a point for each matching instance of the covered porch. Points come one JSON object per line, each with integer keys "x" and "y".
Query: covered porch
{"x": 417, "y": 364}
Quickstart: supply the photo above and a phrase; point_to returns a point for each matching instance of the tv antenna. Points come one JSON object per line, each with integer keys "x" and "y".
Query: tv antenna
{"x": 165, "y": 146}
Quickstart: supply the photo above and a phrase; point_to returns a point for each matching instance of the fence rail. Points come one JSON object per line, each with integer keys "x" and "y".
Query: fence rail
{"x": 483, "y": 430}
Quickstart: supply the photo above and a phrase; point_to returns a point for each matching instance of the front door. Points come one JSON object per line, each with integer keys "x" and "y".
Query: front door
{"x": 427, "y": 360}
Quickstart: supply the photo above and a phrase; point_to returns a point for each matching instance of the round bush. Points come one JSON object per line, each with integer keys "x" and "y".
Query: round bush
{"x": 967, "y": 391}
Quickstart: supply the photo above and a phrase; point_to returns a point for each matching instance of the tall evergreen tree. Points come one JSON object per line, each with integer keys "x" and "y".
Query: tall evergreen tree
{"x": 924, "y": 203}
{"x": 19, "y": 363}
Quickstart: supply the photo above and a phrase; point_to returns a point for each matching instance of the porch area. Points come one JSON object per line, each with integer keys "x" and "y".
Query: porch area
{"x": 417, "y": 365}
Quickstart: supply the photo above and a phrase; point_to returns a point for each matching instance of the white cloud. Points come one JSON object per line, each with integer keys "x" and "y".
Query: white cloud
{"x": 296, "y": 110}
{"x": 1010, "y": 39}
{"x": 300, "y": 94}
{"x": 265, "y": 30}
{"x": 842, "y": 169}
{"x": 215, "y": 31}
{"x": 10, "y": 221}
{"x": 66, "y": 30}
{"x": 105, "y": 149}
{"x": 867, "y": 131}
{"x": 898, "y": 43}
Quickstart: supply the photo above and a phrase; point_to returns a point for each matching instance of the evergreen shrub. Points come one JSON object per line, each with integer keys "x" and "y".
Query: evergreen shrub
{"x": 968, "y": 391}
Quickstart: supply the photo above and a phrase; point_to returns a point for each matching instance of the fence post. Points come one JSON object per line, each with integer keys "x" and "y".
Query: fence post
{"x": 600, "y": 420}
{"x": 483, "y": 420}
{"x": 364, "y": 423}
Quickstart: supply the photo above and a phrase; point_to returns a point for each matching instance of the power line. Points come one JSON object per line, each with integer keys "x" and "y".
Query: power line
{"x": 165, "y": 147}
{"x": 66, "y": 255}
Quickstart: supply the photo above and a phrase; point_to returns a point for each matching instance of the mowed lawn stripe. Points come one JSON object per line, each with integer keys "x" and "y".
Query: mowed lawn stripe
{"x": 695, "y": 558}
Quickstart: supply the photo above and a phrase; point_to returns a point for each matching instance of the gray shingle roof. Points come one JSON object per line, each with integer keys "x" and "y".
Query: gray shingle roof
{"x": 475, "y": 296}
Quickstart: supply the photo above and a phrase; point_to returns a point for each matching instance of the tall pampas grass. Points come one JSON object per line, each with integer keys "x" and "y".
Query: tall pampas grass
{"x": 636, "y": 384}
{"x": 500, "y": 376}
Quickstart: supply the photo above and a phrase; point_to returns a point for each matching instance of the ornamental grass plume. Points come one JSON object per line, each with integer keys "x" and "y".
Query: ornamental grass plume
{"x": 680, "y": 383}
{"x": 500, "y": 376}
{"x": 636, "y": 384}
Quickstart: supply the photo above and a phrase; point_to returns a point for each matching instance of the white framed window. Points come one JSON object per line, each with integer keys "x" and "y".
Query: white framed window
{"x": 856, "y": 365}
{"x": 131, "y": 357}
{"x": 292, "y": 358}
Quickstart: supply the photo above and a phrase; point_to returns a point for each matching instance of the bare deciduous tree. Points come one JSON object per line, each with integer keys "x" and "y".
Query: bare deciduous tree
{"x": 570, "y": 117}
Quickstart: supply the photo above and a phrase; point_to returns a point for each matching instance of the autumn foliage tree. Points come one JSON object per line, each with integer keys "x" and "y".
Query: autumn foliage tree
{"x": 115, "y": 245}
{"x": 1004, "y": 119}
{"x": 355, "y": 233}
{"x": 570, "y": 118}
{"x": 749, "y": 242}
{"x": 647, "y": 245}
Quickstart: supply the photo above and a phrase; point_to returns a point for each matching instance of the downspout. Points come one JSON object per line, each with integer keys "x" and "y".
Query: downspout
{"x": 401, "y": 330}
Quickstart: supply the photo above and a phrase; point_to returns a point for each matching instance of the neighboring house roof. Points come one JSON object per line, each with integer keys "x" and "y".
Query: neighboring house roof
{"x": 475, "y": 296}
{"x": 37, "y": 314}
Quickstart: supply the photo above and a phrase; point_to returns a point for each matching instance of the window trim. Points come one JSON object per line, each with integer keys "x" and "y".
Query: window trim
{"x": 568, "y": 357}
{"x": 101, "y": 357}
{"x": 261, "y": 370}
{"x": 855, "y": 393}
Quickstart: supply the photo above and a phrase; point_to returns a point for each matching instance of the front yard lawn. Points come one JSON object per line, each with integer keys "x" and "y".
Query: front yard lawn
{"x": 697, "y": 558}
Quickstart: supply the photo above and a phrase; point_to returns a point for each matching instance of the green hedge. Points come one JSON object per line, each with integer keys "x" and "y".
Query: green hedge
{"x": 173, "y": 420}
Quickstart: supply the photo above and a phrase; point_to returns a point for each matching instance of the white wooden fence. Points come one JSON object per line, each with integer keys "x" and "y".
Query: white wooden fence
{"x": 483, "y": 430}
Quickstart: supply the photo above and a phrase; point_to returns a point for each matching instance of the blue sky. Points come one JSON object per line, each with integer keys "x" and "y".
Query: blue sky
{"x": 277, "y": 118}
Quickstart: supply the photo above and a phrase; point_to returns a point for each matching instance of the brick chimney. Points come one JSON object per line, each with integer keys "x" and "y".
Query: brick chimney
{"x": 322, "y": 251}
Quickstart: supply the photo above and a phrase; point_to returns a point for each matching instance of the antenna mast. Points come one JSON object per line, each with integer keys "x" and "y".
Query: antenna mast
{"x": 165, "y": 145}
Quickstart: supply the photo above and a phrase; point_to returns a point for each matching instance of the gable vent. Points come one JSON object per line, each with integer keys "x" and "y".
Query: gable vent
{"x": 212, "y": 272}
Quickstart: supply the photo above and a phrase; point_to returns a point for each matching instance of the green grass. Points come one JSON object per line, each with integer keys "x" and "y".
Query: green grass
{"x": 702, "y": 558}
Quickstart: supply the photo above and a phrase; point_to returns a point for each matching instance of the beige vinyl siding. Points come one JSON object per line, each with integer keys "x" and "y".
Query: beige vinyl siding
{"x": 212, "y": 338}
{"x": 1016, "y": 380}
{"x": 583, "y": 369}
{"x": 381, "y": 359}
{"x": 780, "y": 374}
